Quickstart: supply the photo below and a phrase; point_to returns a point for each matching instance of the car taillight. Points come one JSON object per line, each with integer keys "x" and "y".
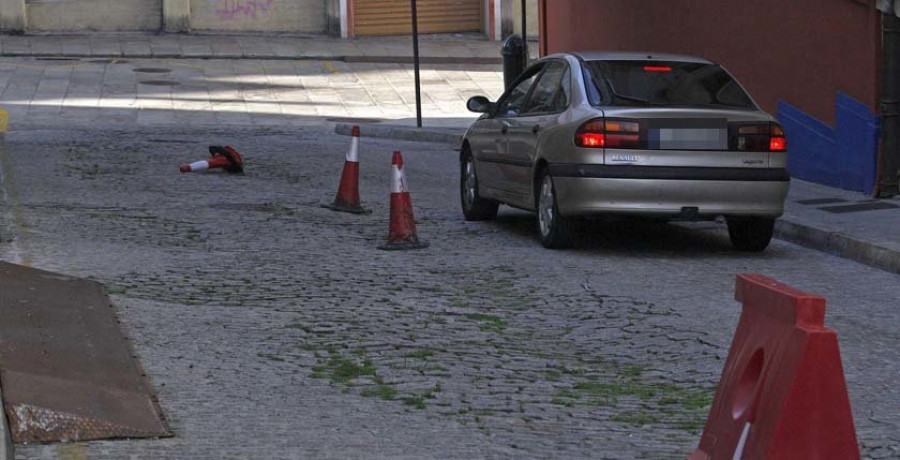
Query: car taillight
{"x": 764, "y": 137}
{"x": 614, "y": 134}
{"x": 778, "y": 143}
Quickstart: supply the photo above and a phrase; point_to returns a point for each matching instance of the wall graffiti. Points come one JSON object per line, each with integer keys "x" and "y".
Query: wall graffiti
{"x": 231, "y": 9}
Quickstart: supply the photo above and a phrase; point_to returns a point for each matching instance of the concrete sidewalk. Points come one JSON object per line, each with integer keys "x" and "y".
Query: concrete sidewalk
{"x": 434, "y": 49}
{"x": 844, "y": 223}
{"x": 847, "y": 224}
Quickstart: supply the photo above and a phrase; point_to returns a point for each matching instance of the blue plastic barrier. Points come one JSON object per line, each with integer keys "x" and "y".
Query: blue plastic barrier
{"x": 844, "y": 156}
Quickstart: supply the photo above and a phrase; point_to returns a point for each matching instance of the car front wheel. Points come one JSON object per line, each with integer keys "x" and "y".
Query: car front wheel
{"x": 554, "y": 229}
{"x": 750, "y": 234}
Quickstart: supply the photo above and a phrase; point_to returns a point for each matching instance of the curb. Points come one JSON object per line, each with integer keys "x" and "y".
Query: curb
{"x": 841, "y": 245}
{"x": 262, "y": 57}
{"x": 7, "y": 452}
{"x": 403, "y": 133}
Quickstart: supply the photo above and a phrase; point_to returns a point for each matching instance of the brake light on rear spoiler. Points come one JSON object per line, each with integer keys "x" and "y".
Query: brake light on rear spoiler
{"x": 611, "y": 133}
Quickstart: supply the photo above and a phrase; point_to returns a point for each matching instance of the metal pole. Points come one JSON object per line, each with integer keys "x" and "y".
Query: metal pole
{"x": 889, "y": 166}
{"x": 415, "y": 30}
{"x": 525, "y": 31}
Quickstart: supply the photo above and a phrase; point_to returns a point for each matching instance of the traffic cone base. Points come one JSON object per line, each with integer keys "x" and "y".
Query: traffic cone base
{"x": 404, "y": 245}
{"x": 403, "y": 224}
{"x": 347, "y": 208}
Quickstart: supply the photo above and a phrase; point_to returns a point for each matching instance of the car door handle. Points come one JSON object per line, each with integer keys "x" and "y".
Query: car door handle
{"x": 535, "y": 129}
{"x": 504, "y": 127}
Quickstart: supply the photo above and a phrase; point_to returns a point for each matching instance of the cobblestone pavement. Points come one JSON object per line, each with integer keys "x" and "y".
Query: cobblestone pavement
{"x": 273, "y": 328}
{"x": 203, "y": 93}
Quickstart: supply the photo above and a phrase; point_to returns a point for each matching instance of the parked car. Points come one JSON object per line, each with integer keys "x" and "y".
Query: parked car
{"x": 626, "y": 134}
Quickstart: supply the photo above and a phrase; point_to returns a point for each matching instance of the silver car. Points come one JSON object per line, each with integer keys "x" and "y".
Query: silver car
{"x": 627, "y": 134}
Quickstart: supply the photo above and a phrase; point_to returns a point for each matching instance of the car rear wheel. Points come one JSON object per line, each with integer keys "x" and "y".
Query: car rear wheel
{"x": 751, "y": 234}
{"x": 554, "y": 229}
{"x": 474, "y": 207}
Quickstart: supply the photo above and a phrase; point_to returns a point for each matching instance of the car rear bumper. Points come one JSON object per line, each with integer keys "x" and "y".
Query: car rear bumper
{"x": 670, "y": 192}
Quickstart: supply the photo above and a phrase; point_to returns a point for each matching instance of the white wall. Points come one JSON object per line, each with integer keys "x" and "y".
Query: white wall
{"x": 515, "y": 14}
{"x": 297, "y": 16}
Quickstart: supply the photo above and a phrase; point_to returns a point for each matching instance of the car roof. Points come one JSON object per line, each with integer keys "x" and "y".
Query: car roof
{"x": 636, "y": 56}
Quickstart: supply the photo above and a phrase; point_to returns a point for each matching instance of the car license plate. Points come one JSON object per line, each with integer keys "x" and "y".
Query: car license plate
{"x": 688, "y": 135}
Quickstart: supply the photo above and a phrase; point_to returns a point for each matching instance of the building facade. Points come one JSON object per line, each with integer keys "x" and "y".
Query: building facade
{"x": 344, "y": 18}
{"x": 815, "y": 64}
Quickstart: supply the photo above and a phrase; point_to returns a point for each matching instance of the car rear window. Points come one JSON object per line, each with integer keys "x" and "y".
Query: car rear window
{"x": 656, "y": 83}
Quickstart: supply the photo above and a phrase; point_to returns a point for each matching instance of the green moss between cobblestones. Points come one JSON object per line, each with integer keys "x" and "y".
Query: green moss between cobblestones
{"x": 415, "y": 401}
{"x": 340, "y": 369}
{"x": 686, "y": 407}
{"x": 487, "y": 322}
{"x": 385, "y": 392}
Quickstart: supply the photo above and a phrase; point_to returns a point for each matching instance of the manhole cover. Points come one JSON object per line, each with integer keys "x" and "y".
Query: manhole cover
{"x": 152, "y": 70}
{"x": 353, "y": 120}
{"x": 160, "y": 83}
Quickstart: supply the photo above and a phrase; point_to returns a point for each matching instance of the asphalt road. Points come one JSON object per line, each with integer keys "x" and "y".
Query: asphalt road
{"x": 273, "y": 328}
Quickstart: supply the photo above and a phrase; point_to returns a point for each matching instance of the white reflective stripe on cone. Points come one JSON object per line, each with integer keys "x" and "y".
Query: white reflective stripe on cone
{"x": 199, "y": 166}
{"x": 353, "y": 153}
{"x": 398, "y": 181}
{"x": 739, "y": 452}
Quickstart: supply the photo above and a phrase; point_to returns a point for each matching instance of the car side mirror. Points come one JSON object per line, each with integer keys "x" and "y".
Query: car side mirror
{"x": 480, "y": 104}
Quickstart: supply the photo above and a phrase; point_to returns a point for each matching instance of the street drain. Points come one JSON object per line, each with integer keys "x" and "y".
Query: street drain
{"x": 353, "y": 120}
{"x": 57, "y": 59}
{"x": 160, "y": 83}
{"x": 151, "y": 70}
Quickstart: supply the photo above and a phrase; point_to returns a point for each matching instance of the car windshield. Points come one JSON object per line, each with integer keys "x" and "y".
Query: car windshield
{"x": 656, "y": 83}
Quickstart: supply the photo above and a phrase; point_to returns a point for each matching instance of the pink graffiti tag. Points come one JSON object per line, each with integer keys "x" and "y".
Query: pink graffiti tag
{"x": 229, "y": 9}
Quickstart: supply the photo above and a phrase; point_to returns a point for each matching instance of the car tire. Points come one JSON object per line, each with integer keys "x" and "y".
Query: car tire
{"x": 474, "y": 207}
{"x": 554, "y": 230}
{"x": 750, "y": 234}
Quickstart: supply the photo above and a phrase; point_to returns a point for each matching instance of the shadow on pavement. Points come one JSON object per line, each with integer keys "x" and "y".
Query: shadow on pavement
{"x": 636, "y": 237}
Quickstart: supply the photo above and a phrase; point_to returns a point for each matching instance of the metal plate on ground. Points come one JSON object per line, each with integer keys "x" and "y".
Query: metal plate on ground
{"x": 67, "y": 372}
{"x": 875, "y": 206}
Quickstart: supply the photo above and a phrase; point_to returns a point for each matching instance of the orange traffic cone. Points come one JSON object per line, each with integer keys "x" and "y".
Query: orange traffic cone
{"x": 403, "y": 223}
{"x": 226, "y": 158}
{"x": 347, "y": 199}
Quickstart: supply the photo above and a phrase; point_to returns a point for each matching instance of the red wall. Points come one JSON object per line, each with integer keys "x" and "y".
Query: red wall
{"x": 800, "y": 51}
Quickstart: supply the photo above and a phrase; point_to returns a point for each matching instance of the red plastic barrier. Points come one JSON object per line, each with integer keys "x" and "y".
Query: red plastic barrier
{"x": 782, "y": 394}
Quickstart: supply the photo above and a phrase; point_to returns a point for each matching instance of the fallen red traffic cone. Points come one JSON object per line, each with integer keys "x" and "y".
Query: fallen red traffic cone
{"x": 226, "y": 158}
{"x": 347, "y": 199}
{"x": 403, "y": 223}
